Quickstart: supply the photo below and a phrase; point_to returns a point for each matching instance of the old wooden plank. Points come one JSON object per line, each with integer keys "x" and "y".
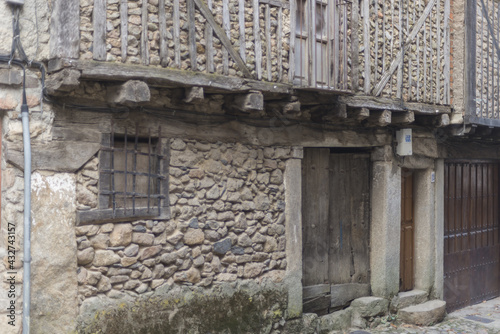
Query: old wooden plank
{"x": 61, "y": 156}
{"x": 359, "y": 206}
{"x": 418, "y": 59}
{"x": 432, "y": 73}
{"x": 319, "y": 305}
{"x": 291, "y": 52}
{"x": 355, "y": 46}
{"x": 64, "y": 33}
{"x": 124, "y": 28}
{"x": 447, "y": 52}
{"x": 177, "y": 42}
{"x": 486, "y": 87}
{"x": 375, "y": 40}
{"x": 314, "y": 291}
{"x": 162, "y": 21}
{"x": 277, "y": 3}
{"x": 193, "y": 56}
{"x": 257, "y": 42}
{"x": 117, "y": 215}
{"x": 392, "y": 40}
{"x": 267, "y": 16}
{"x": 241, "y": 21}
{"x": 424, "y": 60}
{"x": 340, "y": 228}
{"x": 99, "y": 21}
{"x": 173, "y": 77}
{"x": 395, "y": 63}
{"x": 209, "y": 51}
{"x": 366, "y": 44}
{"x": 315, "y": 201}
{"x": 280, "y": 44}
{"x": 144, "y": 33}
{"x": 226, "y": 26}
{"x": 380, "y": 103}
{"x": 470, "y": 57}
{"x": 222, "y": 37}
{"x": 343, "y": 294}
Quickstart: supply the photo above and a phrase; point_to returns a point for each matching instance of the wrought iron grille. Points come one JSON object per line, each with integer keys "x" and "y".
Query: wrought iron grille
{"x": 133, "y": 177}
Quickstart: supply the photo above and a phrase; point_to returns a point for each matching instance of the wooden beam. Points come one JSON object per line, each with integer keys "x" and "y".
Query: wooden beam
{"x": 130, "y": 92}
{"x": 379, "y": 118}
{"x": 65, "y": 29}
{"x": 60, "y": 156}
{"x": 253, "y": 101}
{"x": 382, "y": 103}
{"x": 194, "y": 94}
{"x": 108, "y": 71}
{"x": 404, "y": 118}
{"x": 222, "y": 37}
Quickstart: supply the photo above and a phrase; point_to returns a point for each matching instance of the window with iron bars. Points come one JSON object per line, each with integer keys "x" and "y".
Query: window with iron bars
{"x": 133, "y": 178}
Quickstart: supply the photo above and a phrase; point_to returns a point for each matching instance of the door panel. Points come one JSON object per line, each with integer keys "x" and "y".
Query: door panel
{"x": 471, "y": 227}
{"x": 335, "y": 219}
{"x": 406, "y": 273}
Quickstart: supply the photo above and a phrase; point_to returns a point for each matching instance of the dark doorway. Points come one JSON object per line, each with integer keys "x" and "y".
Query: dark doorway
{"x": 406, "y": 265}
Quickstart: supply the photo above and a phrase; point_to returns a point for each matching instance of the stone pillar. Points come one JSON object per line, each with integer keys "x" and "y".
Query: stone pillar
{"x": 424, "y": 233}
{"x": 54, "y": 304}
{"x": 385, "y": 224}
{"x": 293, "y": 218}
{"x": 437, "y": 292}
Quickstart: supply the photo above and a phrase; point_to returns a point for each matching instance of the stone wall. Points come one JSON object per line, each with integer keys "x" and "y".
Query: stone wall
{"x": 227, "y": 223}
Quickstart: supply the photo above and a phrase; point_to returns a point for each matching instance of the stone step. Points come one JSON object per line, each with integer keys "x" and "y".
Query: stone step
{"x": 425, "y": 314}
{"x": 408, "y": 298}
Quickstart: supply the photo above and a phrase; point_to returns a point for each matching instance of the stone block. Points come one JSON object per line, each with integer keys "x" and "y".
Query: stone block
{"x": 425, "y": 314}
{"x": 408, "y": 298}
{"x": 335, "y": 321}
{"x": 10, "y": 77}
{"x": 370, "y": 306}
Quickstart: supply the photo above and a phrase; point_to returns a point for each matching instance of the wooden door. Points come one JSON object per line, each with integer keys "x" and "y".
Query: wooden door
{"x": 336, "y": 215}
{"x": 406, "y": 273}
{"x": 471, "y": 233}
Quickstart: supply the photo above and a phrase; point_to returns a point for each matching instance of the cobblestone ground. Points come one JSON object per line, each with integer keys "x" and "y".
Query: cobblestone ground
{"x": 448, "y": 326}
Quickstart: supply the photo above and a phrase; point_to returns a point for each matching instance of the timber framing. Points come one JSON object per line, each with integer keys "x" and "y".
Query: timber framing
{"x": 173, "y": 78}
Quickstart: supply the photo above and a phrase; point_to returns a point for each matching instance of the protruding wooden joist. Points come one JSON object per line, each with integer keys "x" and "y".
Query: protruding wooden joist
{"x": 130, "y": 92}
{"x": 379, "y": 118}
{"x": 359, "y": 114}
{"x": 194, "y": 94}
{"x": 403, "y": 118}
{"x": 291, "y": 108}
{"x": 253, "y": 101}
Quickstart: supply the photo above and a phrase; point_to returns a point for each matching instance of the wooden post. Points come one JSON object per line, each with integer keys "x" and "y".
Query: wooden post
{"x": 192, "y": 34}
{"x": 124, "y": 28}
{"x": 65, "y": 29}
{"x": 470, "y": 58}
{"x": 99, "y": 18}
{"x": 162, "y": 20}
{"x": 144, "y": 33}
{"x": 257, "y": 43}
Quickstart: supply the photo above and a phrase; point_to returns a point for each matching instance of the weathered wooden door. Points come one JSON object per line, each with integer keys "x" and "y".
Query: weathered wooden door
{"x": 406, "y": 274}
{"x": 471, "y": 233}
{"x": 336, "y": 215}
